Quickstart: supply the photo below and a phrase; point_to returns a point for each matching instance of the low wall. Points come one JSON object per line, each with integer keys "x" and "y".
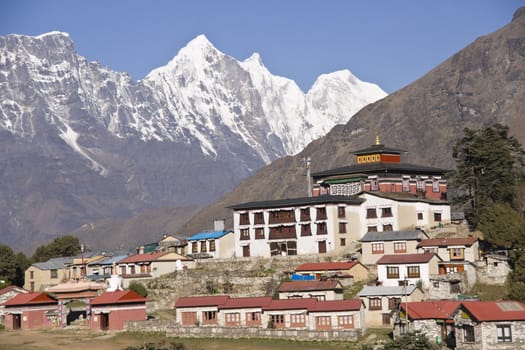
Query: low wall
{"x": 173, "y": 330}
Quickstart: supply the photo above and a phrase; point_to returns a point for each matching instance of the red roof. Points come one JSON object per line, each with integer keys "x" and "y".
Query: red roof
{"x": 291, "y": 304}
{"x": 436, "y": 309}
{"x": 303, "y": 286}
{"x": 118, "y": 297}
{"x": 213, "y": 300}
{"x": 446, "y": 242}
{"x": 248, "y": 302}
{"x": 36, "y": 298}
{"x": 148, "y": 257}
{"x": 495, "y": 310}
{"x": 327, "y": 266}
{"x": 337, "y": 305}
{"x": 405, "y": 259}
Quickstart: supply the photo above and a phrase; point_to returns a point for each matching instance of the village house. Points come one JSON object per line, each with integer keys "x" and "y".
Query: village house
{"x": 493, "y": 269}
{"x": 41, "y": 275}
{"x": 484, "y": 325}
{"x": 379, "y": 193}
{"x": 383, "y": 302}
{"x": 173, "y": 244}
{"x": 376, "y": 244}
{"x": 433, "y": 318}
{"x": 101, "y": 270}
{"x": 7, "y": 293}
{"x": 140, "y": 267}
{"x": 218, "y": 244}
{"x": 410, "y": 269}
{"x": 111, "y": 310}
{"x": 330, "y": 289}
{"x": 30, "y": 311}
{"x": 458, "y": 268}
{"x": 344, "y": 271}
{"x": 78, "y": 267}
{"x": 264, "y": 312}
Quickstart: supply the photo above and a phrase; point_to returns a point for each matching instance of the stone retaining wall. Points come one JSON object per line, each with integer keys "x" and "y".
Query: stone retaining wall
{"x": 173, "y": 330}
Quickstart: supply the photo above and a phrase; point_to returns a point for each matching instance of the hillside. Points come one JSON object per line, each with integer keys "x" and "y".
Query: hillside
{"x": 481, "y": 85}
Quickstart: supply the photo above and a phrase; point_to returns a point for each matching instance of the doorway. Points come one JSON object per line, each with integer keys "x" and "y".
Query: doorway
{"x": 104, "y": 322}
{"x": 17, "y": 321}
{"x": 322, "y": 246}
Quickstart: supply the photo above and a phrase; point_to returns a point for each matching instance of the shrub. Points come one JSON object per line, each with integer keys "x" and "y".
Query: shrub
{"x": 138, "y": 288}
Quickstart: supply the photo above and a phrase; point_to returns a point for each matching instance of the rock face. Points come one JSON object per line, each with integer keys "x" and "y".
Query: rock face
{"x": 82, "y": 142}
{"x": 481, "y": 85}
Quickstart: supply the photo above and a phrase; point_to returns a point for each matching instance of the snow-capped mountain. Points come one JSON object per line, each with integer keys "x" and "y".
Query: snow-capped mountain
{"x": 82, "y": 142}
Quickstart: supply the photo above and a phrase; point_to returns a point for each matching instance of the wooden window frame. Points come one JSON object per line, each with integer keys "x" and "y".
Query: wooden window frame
{"x": 375, "y": 304}
{"x": 378, "y": 248}
{"x": 392, "y": 272}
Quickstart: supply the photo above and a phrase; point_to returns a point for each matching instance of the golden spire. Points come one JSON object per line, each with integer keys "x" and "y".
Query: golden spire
{"x": 377, "y": 140}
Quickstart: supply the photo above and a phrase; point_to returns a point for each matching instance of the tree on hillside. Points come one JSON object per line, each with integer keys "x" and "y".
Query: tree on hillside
{"x": 7, "y": 266}
{"x": 22, "y": 263}
{"x": 489, "y": 169}
{"x": 60, "y": 247}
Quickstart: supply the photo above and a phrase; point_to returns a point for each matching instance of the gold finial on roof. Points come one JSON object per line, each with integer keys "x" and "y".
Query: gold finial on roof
{"x": 377, "y": 140}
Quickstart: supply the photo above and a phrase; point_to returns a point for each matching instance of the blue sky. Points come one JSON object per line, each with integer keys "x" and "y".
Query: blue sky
{"x": 391, "y": 43}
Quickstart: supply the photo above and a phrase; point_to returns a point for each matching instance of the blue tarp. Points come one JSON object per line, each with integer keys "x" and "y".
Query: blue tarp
{"x": 296, "y": 277}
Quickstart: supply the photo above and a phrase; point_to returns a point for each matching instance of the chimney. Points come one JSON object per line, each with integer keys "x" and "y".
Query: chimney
{"x": 218, "y": 225}
{"x": 140, "y": 250}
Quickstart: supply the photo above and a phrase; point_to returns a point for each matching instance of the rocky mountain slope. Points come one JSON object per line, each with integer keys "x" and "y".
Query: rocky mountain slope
{"x": 482, "y": 84}
{"x": 83, "y": 143}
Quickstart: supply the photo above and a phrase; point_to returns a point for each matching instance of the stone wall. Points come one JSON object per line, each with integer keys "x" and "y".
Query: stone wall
{"x": 173, "y": 330}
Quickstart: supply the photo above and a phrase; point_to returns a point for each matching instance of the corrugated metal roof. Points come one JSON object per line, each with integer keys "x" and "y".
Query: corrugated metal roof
{"x": 142, "y": 257}
{"x": 36, "y": 298}
{"x": 448, "y": 241}
{"x": 393, "y": 236}
{"x": 375, "y": 291}
{"x": 205, "y": 300}
{"x": 209, "y": 235}
{"x": 327, "y": 266}
{"x": 436, "y": 309}
{"x": 304, "y": 286}
{"x": 381, "y": 167}
{"x": 109, "y": 260}
{"x": 54, "y": 264}
{"x": 118, "y": 297}
{"x": 336, "y": 305}
{"x": 246, "y": 302}
{"x": 405, "y": 258}
{"x": 496, "y": 310}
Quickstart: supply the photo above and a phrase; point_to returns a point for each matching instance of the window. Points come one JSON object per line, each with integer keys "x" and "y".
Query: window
{"x": 392, "y": 272}
{"x": 32, "y": 274}
{"x": 374, "y": 304}
{"x": 212, "y": 245}
{"x": 420, "y": 216}
{"x": 343, "y": 242}
{"x": 413, "y": 272}
{"x": 346, "y": 321}
{"x": 297, "y": 320}
{"x": 437, "y": 217}
{"x": 245, "y": 234}
{"x": 406, "y": 184}
{"x": 203, "y": 246}
{"x": 378, "y": 248}
{"x": 258, "y": 218}
{"x": 342, "y": 227}
{"x": 209, "y": 315}
{"x": 468, "y": 334}
{"x": 259, "y": 233}
{"x": 435, "y": 185}
{"x": 393, "y": 303}
{"x": 277, "y": 319}
{"x": 321, "y": 228}
{"x": 400, "y": 247}
{"x": 504, "y": 333}
{"x": 372, "y": 229}
{"x": 371, "y": 213}
{"x": 386, "y": 212}
{"x": 32, "y": 286}
{"x": 54, "y": 273}
{"x": 321, "y": 214}
{"x": 234, "y": 317}
{"x": 194, "y": 247}
{"x": 253, "y": 316}
{"x": 123, "y": 270}
{"x": 456, "y": 253}
{"x": 374, "y": 184}
{"x": 306, "y": 230}
{"x": 132, "y": 269}
{"x": 385, "y": 318}
{"x": 341, "y": 212}
{"x": 243, "y": 219}
{"x": 323, "y": 321}
{"x": 305, "y": 214}
{"x": 388, "y": 227}
{"x": 282, "y": 216}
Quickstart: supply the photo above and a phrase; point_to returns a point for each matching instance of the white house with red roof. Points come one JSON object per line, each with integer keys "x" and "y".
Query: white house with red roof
{"x": 490, "y": 325}
{"x": 6, "y": 294}
{"x": 411, "y": 269}
{"x": 264, "y": 312}
{"x": 30, "y": 311}
{"x": 111, "y": 310}
{"x": 352, "y": 270}
{"x": 330, "y": 289}
{"x": 151, "y": 265}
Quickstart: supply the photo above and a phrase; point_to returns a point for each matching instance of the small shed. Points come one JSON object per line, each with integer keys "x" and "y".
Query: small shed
{"x": 111, "y": 310}
{"x": 31, "y": 311}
